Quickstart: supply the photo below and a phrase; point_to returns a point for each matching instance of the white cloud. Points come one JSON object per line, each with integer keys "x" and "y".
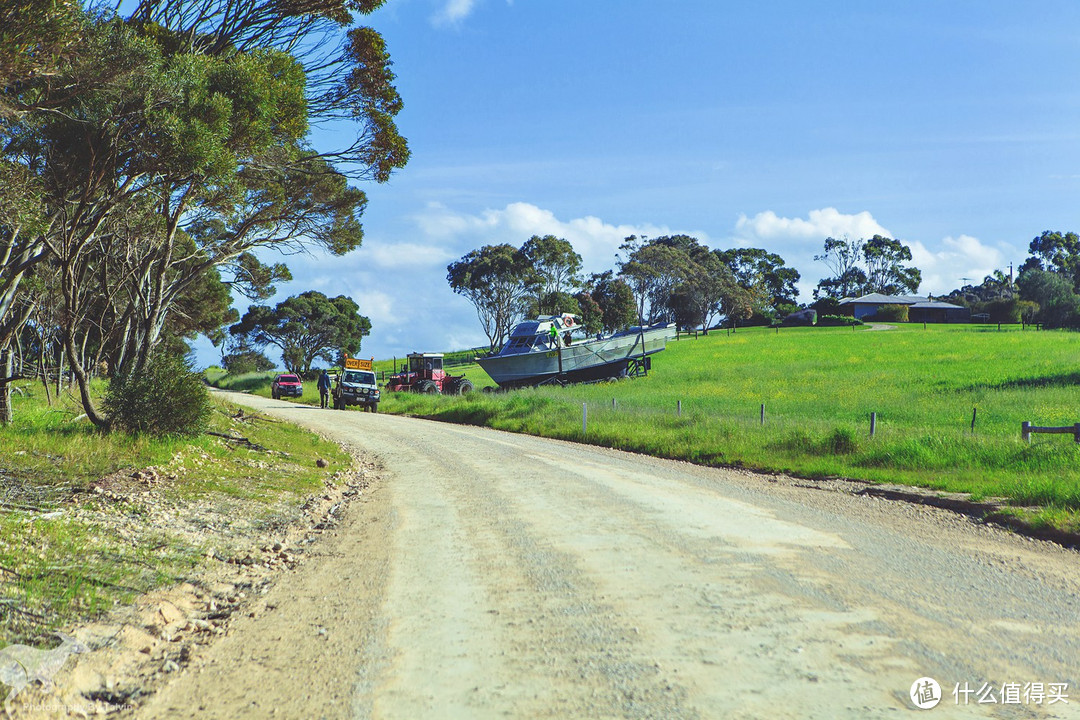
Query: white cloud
{"x": 398, "y": 256}
{"x": 818, "y": 225}
{"x": 595, "y": 239}
{"x": 958, "y": 261}
{"x": 453, "y": 11}
{"x": 797, "y": 240}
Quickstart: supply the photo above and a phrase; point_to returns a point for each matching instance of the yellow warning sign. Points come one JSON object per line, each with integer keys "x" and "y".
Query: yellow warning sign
{"x": 357, "y": 364}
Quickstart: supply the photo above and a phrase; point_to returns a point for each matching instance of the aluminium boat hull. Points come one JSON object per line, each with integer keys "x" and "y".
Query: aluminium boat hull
{"x": 580, "y": 361}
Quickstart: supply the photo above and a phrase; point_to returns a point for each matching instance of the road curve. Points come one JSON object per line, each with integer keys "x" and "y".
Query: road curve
{"x": 491, "y": 575}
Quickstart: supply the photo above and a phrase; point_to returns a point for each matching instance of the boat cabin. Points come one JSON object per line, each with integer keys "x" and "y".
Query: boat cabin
{"x": 531, "y": 336}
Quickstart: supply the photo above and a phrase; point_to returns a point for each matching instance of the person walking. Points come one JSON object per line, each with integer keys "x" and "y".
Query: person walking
{"x": 324, "y": 389}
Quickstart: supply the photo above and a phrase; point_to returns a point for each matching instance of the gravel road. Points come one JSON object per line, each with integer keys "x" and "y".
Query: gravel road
{"x": 486, "y": 574}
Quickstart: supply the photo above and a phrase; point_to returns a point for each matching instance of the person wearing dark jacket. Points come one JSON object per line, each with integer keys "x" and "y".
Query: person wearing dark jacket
{"x": 324, "y": 389}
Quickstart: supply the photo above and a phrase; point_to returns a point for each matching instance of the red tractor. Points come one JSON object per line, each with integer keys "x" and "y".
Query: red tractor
{"x": 424, "y": 374}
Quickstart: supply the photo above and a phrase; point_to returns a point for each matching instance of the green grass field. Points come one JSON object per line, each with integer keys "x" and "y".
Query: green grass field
{"x": 819, "y": 386}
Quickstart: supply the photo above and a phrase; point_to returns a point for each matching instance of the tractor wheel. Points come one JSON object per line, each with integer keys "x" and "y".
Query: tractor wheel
{"x": 464, "y": 387}
{"x": 427, "y": 387}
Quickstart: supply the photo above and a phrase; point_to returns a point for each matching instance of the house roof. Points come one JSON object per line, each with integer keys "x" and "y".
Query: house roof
{"x": 879, "y": 299}
{"x": 935, "y": 304}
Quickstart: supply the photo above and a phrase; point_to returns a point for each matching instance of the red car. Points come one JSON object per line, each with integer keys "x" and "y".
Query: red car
{"x": 286, "y": 385}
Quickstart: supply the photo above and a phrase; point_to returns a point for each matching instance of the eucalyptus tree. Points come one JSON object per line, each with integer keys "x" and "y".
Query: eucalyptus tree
{"x": 498, "y": 280}
{"x": 305, "y": 327}
{"x": 867, "y": 266}
{"x": 556, "y": 263}
{"x": 758, "y": 268}
{"x": 185, "y": 148}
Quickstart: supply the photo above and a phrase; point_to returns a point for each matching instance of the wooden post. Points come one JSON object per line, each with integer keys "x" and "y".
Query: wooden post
{"x": 974, "y": 412}
{"x": 763, "y": 413}
{"x": 614, "y": 405}
{"x": 873, "y": 423}
{"x": 1025, "y": 431}
{"x": 678, "y": 409}
{"x": 584, "y": 418}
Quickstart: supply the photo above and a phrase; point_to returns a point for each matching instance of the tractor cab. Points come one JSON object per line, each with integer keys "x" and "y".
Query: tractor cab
{"x": 427, "y": 366}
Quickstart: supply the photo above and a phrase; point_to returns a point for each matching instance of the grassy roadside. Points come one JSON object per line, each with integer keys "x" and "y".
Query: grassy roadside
{"x": 91, "y": 520}
{"x": 819, "y": 386}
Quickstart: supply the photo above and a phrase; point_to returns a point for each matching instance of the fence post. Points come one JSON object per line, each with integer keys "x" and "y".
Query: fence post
{"x": 974, "y": 412}
{"x": 584, "y": 418}
{"x": 763, "y": 413}
{"x": 614, "y": 405}
{"x": 1025, "y": 431}
{"x": 873, "y": 423}
{"x": 678, "y": 409}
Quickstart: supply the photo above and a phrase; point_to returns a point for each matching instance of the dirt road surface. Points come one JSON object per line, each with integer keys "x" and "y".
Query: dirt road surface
{"x": 490, "y": 575}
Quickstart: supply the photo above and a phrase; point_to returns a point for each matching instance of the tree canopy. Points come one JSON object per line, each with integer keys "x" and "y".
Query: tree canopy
{"x": 676, "y": 278}
{"x": 1056, "y": 251}
{"x": 305, "y": 327}
{"x": 861, "y": 267}
{"x": 148, "y": 151}
{"x": 498, "y": 280}
{"x": 755, "y": 267}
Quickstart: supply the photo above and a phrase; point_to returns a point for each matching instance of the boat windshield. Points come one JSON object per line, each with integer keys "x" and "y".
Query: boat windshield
{"x": 524, "y": 344}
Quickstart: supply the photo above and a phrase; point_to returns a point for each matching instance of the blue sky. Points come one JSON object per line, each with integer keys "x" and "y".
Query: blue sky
{"x": 954, "y": 127}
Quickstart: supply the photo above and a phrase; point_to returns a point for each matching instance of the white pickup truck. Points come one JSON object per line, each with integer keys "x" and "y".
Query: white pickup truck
{"x": 356, "y": 386}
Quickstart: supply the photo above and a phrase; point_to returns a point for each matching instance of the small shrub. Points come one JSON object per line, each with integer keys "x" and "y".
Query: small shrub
{"x": 247, "y": 362}
{"x": 891, "y": 313}
{"x": 837, "y": 321}
{"x": 166, "y": 398}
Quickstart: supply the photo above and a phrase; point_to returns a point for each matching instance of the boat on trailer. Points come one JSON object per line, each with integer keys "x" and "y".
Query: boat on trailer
{"x": 556, "y": 349}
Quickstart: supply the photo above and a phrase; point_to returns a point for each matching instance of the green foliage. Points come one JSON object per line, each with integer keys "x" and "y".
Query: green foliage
{"x": 555, "y": 263}
{"x": 680, "y": 280}
{"x": 248, "y": 361}
{"x": 837, "y": 321}
{"x": 861, "y": 267}
{"x": 615, "y": 300}
{"x": 497, "y": 280}
{"x": 754, "y": 267}
{"x": 890, "y": 313}
{"x": 1002, "y": 310}
{"x": 305, "y": 327}
{"x": 166, "y": 398}
{"x": 1058, "y": 252}
{"x": 556, "y": 303}
{"x": 1053, "y": 292}
{"x": 176, "y": 142}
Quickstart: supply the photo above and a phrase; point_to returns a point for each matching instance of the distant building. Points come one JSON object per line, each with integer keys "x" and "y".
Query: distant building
{"x": 920, "y": 309}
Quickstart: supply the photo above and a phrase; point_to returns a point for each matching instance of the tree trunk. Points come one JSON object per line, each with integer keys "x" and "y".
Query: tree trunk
{"x": 59, "y": 371}
{"x": 41, "y": 369}
{"x": 5, "y": 386}
{"x": 83, "y": 380}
